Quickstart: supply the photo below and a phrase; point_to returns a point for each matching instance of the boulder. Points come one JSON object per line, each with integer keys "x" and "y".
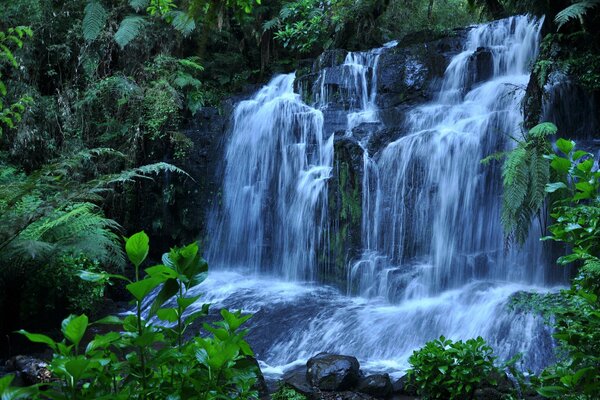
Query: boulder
{"x": 481, "y": 65}
{"x": 31, "y": 370}
{"x": 378, "y": 385}
{"x": 402, "y": 387}
{"x": 333, "y": 372}
{"x": 298, "y": 379}
{"x": 342, "y": 396}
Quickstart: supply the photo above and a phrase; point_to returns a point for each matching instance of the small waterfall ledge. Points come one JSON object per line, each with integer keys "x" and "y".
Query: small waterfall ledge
{"x": 368, "y": 178}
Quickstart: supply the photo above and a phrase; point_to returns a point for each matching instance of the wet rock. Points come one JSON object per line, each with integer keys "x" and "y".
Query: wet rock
{"x": 333, "y": 372}
{"x": 31, "y": 370}
{"x": 403, "y": 387}
{"x": 481, "y": 65}
{"x": 378, "y": 385}
{"x": 502, "y": 382}
{"x": 297, "y": 378}
{"x": 329, "y": 58}
{"x": 341, "y": 396}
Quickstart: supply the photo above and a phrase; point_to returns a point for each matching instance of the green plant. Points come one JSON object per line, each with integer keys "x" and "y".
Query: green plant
{"x": 11, "y": 114}
{"x": 444, "y": 369}
{"x": 577, "y": 10}
{"x": 525, "y": 173}
{"x": 148, "y": 360}
{"x": 287, "y": 393}
{"x": 576, "y": 213}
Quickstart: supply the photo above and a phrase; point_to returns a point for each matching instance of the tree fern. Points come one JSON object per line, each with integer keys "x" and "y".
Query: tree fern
{"x": 129, "y": 29}
{"x": 525, "y": 174}
{"x": 94, "y": 20}
{"x": 575, "y": 11}
{"x": 139, "y": 5}
{"x": 183, "y": 22}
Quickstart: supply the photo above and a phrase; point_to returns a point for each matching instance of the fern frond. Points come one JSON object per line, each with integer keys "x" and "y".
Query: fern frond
{"x": 575, "y": 11}
{"x": 129, "y": 29}
{"x": 539, "y": 170}
{"x": 138, "y": 5}
{"x": 94, "y": 20}
{"x": 270, "y": 24}
{"x": 183, "y": 22}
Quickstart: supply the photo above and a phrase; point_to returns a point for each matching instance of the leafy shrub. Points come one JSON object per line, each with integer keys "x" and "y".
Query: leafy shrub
{"x": 146, "y": 360}
{"x": 444, "y": 369}
{"x": 576, "y": 214}
{"x": 287, "y": 393}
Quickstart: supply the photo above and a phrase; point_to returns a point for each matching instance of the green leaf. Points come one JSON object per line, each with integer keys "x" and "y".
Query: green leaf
{"x": 137, "y": 247}
{"x": 552, "y": 391}
{"x": 553, "y": 187}
{"x": 185, "y": 302}
{"x": 162, "y": 272}
{"x": 109, "y": 320}
{"x": 167, "y": 314}
{"x": 234, "y": 320}
{"x": 94, "y": 19}
{"x": 77, "y": 367}
{"x": 74, "y": 327}
{"x": 542, "y": 130}
{"x": 560, "y": 165}
{"x": 102, "y": 341}
{"x": 129, "y": 29}
{"x": 168, "y": 290}
{"x": 38, "y": 338}
{"x": 580, "y": 153}
{"x": 565, "y": 145}
{"x": 100, "y": 277}
{"x": 141, "y": 289}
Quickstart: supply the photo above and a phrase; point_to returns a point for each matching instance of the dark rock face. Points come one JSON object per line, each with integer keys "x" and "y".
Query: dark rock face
{"x": 407, "y": 75}
{"x": 402, "y": 387}
{"x": 481, "y": 66}
{"x": 29, "y": 370}
{"x": 488, "y": 394}
{"x": 297, "y": 379}
{"x": 378, "y": 385}
{"x": 333, "y": 372}
{"x": 345, "y": 207}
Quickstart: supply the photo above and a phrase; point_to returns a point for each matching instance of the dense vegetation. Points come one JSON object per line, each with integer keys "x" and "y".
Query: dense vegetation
{"x": 94, "y": 98}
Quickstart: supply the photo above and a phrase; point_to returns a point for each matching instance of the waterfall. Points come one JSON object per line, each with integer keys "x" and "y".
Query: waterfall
{"x": 274, "y": 204}
{"x": 434, "y": 259}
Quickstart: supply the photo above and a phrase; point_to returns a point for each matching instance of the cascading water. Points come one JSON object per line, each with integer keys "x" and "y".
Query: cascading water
{"x": 433, "y": 259}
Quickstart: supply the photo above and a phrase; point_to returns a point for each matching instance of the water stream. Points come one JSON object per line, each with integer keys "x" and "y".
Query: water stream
{"x": 434, "y": 259}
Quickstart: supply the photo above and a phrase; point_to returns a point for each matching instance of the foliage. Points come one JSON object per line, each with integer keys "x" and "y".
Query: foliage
{"x": 149, "y": 360}
{"x": 287, "y": 393}
{"x": 576, "y": 212}
{"x": 577, "y": 11}
{"x": 444, "y": 369}
{"x": 525, "y": 173}
{"x": 11, "y": 114}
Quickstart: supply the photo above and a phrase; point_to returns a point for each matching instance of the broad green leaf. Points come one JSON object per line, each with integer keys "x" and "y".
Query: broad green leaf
{"x": 168, "y": 290}
{"x": 38, "y": 338}
{"x": 109, "y": 320}
{"x": 565, "y": 145}
{"x": 102, "y": 341}
{"x": 553, "y": 187}
{"x": 161, "y": 271}
{"x": 77, "y": 367}
{"x": 560, "y": 164}
{"x": 137, "y": 247}
{"x": 552, "y": 391}
{"x": 100, "y": 277}
{"x": 141, "y": 289}
{"x": 234, "y": 320}
{"x": 185, "y": 302}
{"x": 74, "y": 328}
{"x": 167, "y": 314}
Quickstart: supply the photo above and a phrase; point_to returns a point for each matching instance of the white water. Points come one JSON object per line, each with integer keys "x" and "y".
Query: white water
{"x": 434, "y": 260}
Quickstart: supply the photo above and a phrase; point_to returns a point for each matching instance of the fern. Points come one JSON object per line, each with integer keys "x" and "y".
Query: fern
{"x": 139, "y": 5}
{"x": 575, "y": 11}
{"x": 129, "y": 29}
{"x": 539, "y": 171}
{"x": 183, "y": 22}
{"x": 94, "y": 20}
